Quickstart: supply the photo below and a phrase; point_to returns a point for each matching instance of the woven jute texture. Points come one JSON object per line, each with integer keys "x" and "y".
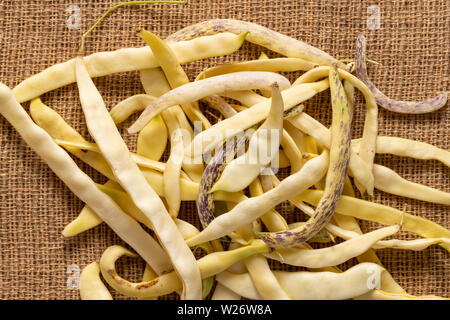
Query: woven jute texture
{"x": 412, "y": 46}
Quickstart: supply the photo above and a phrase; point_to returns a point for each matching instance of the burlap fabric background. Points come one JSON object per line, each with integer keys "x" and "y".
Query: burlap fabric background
{"x": 412, "y": 46}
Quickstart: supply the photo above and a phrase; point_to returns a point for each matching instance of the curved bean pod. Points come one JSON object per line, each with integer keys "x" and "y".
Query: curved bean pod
{"x": 371, "y": 211}
{"x": 409, "y": 148}
{"x": 368, "y": 140}
{"x": 337, "y": 172}
{"x": 270, "y": 65}
{"x": 259, "y": 35}
{"x": 81, "y": 184}
{"x": 209, "y": 266}
{"x": 116, "y": 153}
{"x": 388, "y": 180}
{"x": 424, "y": 106}
{"x": 197, "y": 90}
{"x": 124, "y": 109}
{"x": 124, "y": 60}
{"x": 334, "y": 255}
{"x": 91, "y": 286}
{"x": 205, "y": 200}
{"x": 175, "y": 74}
{"x": 224, "y": 129}
{"x": 304, "y": 285}
{"x": 378, "y": 294}
{"x": 240, "y": 172}
{"x": 247, "y": 211}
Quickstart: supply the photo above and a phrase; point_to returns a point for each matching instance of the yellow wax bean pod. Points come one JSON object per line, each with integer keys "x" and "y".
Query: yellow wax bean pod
{"x": 223, "y": 293}
{"x": 124, "y": 109}
{"x": 378, "y": 294}
{"x": 91, "y": 286}
{"x": 283, "y": 160}
{"x": 241, "y": 284}
{"x": 141, "y": 161}
{"x": 155, "y": 83}
{"x": 298, "y": 136}
{"x": 292, "y": 152}
{"x": 54, "y": 124}
{"x": 209, "y": 265}
{"x": 368, "y": 140}
{"x": 259, "y": 35}
{"x": 250, "y": 209}
{"x": 105, "y": 133}
{"x": 265, "y": 92}
{"x": 148, "y": 275}
{"x": 416, "y": 245}
{"x": 197, "y": 90}
{"x": 246, "y": 97}
{"x": 409, "y": 148}
{"x": 310, "y": 126}
{"x": 389, "y": 181}
{"x": 371, "y": 211}
{"x": 226, "y": 128}
{"x": 87, "y": 219}
{"x": 334, "y": 255}
{"x": 171, "y": 176}
{"x": 152, "y": 140}
{"x": 272, "y": 65}
{"x": 263, "y": 147}
{"x": 304, "y": 285}
{"x": 175, "y": 74}
{"x": 123, "y": 60}
{"x": 263, "y": 278}
{"x": 81, "y": 184}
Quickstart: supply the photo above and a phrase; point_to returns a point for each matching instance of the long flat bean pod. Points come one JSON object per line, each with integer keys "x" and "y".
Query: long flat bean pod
{"x": 81, "y": 184}
{"x": 209, "y": 265}
{"x": 304, "y": 285}
{"x": 226, "y": 128}
{"x": 376, "y": 212}
{"x": 104, "y": 131}
{"x": 337, "y": 171}
{"x": 247, "y": 211}
{"x": 259, "y": 35}
{"x": 334, "y": 255}
{"x": 197, "y": 90}
{"x": 368, "y": 140}
{"x": 424, "y": 106}
{"x": 263, "y": 147}
{"x": 175, "y": 74}
{"x": 271, "y": 65}
{"x": 91, "y": 286}
{"x": 124, "y": 60}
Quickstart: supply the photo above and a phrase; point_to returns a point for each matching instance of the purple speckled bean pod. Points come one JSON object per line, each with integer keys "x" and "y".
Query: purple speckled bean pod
{"x": 259, "y": 35}
{"x": 205, "y": 200}
{"x": 197, "y": 90}
{"x": 424, "y": 106}
{"x": 339, "y": 160}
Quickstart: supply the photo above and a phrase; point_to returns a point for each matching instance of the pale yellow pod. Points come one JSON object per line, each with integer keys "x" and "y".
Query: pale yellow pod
{"x": 378, "y": 294}
{"x": 91, "y": 286}
{"x": 124, "y": 109}
{"x": 152, "y": 140}
{"x": 240, "y": 172}
{"x": 87, "y": 218}
{"x": 124, "y": 60}
{"x": 386, "y": 215}
{"x": 305, "y": 285}
{"x": 334, "y": 255}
